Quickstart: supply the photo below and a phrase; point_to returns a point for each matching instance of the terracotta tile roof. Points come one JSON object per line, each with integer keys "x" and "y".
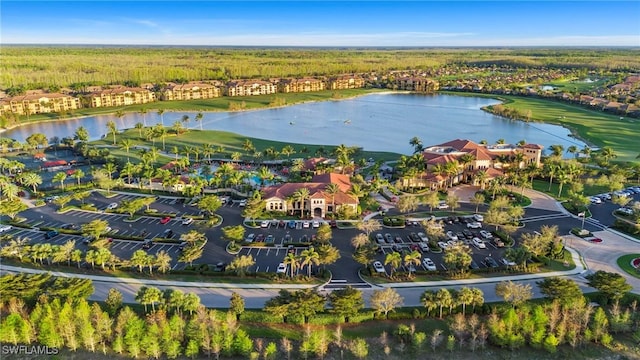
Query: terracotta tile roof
{"x": 532, "y": 146}
{"x": 343, "y": 181}
{"x": 38, "y": 97}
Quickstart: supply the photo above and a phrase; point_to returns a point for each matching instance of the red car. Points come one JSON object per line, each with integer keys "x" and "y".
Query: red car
{"x": 165, "y": 220}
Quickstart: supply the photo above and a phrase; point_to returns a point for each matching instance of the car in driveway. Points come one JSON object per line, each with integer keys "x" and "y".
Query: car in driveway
{"x": 377, "y": 266}
{"x": 51, "y": 234}
{"x": 4, "y": 228}
{"x": 429, "y": 264}
{"x": 282, "y": 268}
{"x": 379, "y": 239}
{"x": 474, "y": 225}
{"x": 490, "y": 262}
{"x": 112, "y": 206}
{"x": 165, "y": 220}
{"x": 479, "y": 243}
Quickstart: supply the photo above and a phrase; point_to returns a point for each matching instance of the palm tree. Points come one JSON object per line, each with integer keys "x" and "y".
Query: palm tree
{"x": 161, "y": 113}
{"x": 163, "y": 261}
{"x": 264, "y": 174}
{"x": 143, "y": 111}
{"x": 417, "y": 144}
{"x": 60, "y": 177}
{"x": 573, "y": 150}
{"x": 139, "y": 126}
{"x": 111, "y": 126}
{"x": 177, "y": 127}
{"x": 185, "y": 120}
{"x": 301, "y": 195}
{"x": 309, "y": 257}
{"x": 439, "y": 169}
{"x": 198, "y": 118}
{"x": 412, "y": 258}
{"x": 127, "y": 144}
{"x": 556, "y": 150}
{"x": 395, "y": 259}
{"x": 31, "y": 179}
{"x": 162, "y": 132}
{"x": 292, "y": 261}
{"x": 451, "y": 169}
{"x": 607, "y": 154}
{"x": 332, "y": 189}
{"x": 481, "y": 177}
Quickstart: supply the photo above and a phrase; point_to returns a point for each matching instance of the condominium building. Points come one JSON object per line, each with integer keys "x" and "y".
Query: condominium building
{"x": 191, "y": 91}
{"x": 346, "y": 82}
{"x": 250, "y": 87}
{"x": 121, "y": 96}
{"x": 417, "y": 84}
{"x": 38, "y": 104}
{"x": 301, "y": 85}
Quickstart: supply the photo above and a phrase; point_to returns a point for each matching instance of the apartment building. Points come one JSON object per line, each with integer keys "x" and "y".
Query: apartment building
{"x": 301, "y": 85}
{"x": 345, "y": 82}
{"x": 417, "y": 84}
{"x": 191, "y": 91}
{"x": 250, "y": 88}
{"x": 121, "y": 96}
{"x": 38, "y": 104}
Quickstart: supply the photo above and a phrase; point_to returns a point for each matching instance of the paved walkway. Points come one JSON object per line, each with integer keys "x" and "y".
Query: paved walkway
{"x": 538, "y": 200}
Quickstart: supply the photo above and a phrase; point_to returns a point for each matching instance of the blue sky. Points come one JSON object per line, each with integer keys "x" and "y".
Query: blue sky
{"x": 322, "y": 23}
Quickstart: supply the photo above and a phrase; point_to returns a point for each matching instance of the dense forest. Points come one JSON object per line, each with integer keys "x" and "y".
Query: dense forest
{"x": 45, "y": 67}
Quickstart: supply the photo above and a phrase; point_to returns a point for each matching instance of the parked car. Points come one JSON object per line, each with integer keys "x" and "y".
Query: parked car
{"x": 220, "y": 267}
{"x": 250, "y": 237}
{"x": 264, "y": 224}
{"x": 397, "y": 238}
{"x": 282, "y": 268}
{"x": 414, "y": 237}
{"x": 429, "y": 264}
{"x": 51, "y": 234}
{"x": 507, "y": 262}
{"x": 451, "y": 235}
{"x": 269, "y": 239}
{"x": 333, "y": 224}
{"x": 147, "y": 244}
{"x": 242, "y": 203}
{"x": 388, "y": 238}
{"x": 260, "y": 238}
{"x": 478, "y": 217}
{"x": 442, "y": 205}
{"x": 423, "y": 237}
{"x": 467, "y": 234}
{"x": 187, "y": 221}
{"x": 443, "y": 245}
{"x": 4, "y": 228}
{"x": 377, "y": 266}
{"x": 306, "y": 224}
{"x": 485, "y": 234}
{"x": 595, "y": 200}
{"x": 168, "y": 234}
{"x": 292, "y": 224}
{"x": 165, "y": 220}
{"x": 490, "y": 262}
{"x": 474, "y": 225}
{"x": 316, "y": 224}
{"x": 473, "y": 265}
{"x": 70, "y": 227}
{"x": 423, "y": 246}
{"x": 479, "y": 243}
{"x": 499, "y": 243}
{"x": 379, "y": 239}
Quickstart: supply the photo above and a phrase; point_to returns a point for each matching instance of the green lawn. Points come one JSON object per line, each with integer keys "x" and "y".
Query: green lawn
{"x": 625, "y": 263}
{"x": 543, "y": 186}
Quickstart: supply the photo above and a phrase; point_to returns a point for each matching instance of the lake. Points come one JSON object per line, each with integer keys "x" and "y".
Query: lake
{"x": 375, "y": 122}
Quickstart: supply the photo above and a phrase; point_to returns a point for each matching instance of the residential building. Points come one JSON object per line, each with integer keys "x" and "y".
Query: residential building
{"x": 301, "y": 85}
{"x": 319, "y": 203}
{"x": 38, "y": 104}
{"x": 191, "y": 91}
{"x": 417, "y": 84}
{"x": 345, "y": 82}
{"x": 121, "y": 96}
{"x": 250, "y": 87}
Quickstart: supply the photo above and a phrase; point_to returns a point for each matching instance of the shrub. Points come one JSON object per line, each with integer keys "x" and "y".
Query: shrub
{"x": 259, "y": 316}
{"x": 326, "y": 319}
{"x": 361, "y": 316}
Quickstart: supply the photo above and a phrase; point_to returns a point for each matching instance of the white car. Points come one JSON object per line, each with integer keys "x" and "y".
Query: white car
{"x": 478, "y": 217}
{"x": 485, "y": 234}
{"x": 377, "y": 265}
{"x": 250, "y": 238}
{"x": 474, "y": 225}
{"x": 316, "y": 224}
{"x": 4, "y": 228}
{"x": 596, "y": 200}
{"x": 282, "y": 268}
{"x": 187, "y": 221}
{"x": 507, "y": 262}
{"x": 429, "y": 264}
{"x": 442, "y": 205}
{"x": 379, "y": 239}
{"x": 443, "y": 245}
{"x": 264, "y": 224}
{"x": 306, "y": 224}
{"x": 423, "y": 246}
{"x": 423, "y": 237}
{"x": 242, "y": 203}
{"x": 479, "y": 243}
{"x": 112, "y": 206}
{"x": 451, "y": 236}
